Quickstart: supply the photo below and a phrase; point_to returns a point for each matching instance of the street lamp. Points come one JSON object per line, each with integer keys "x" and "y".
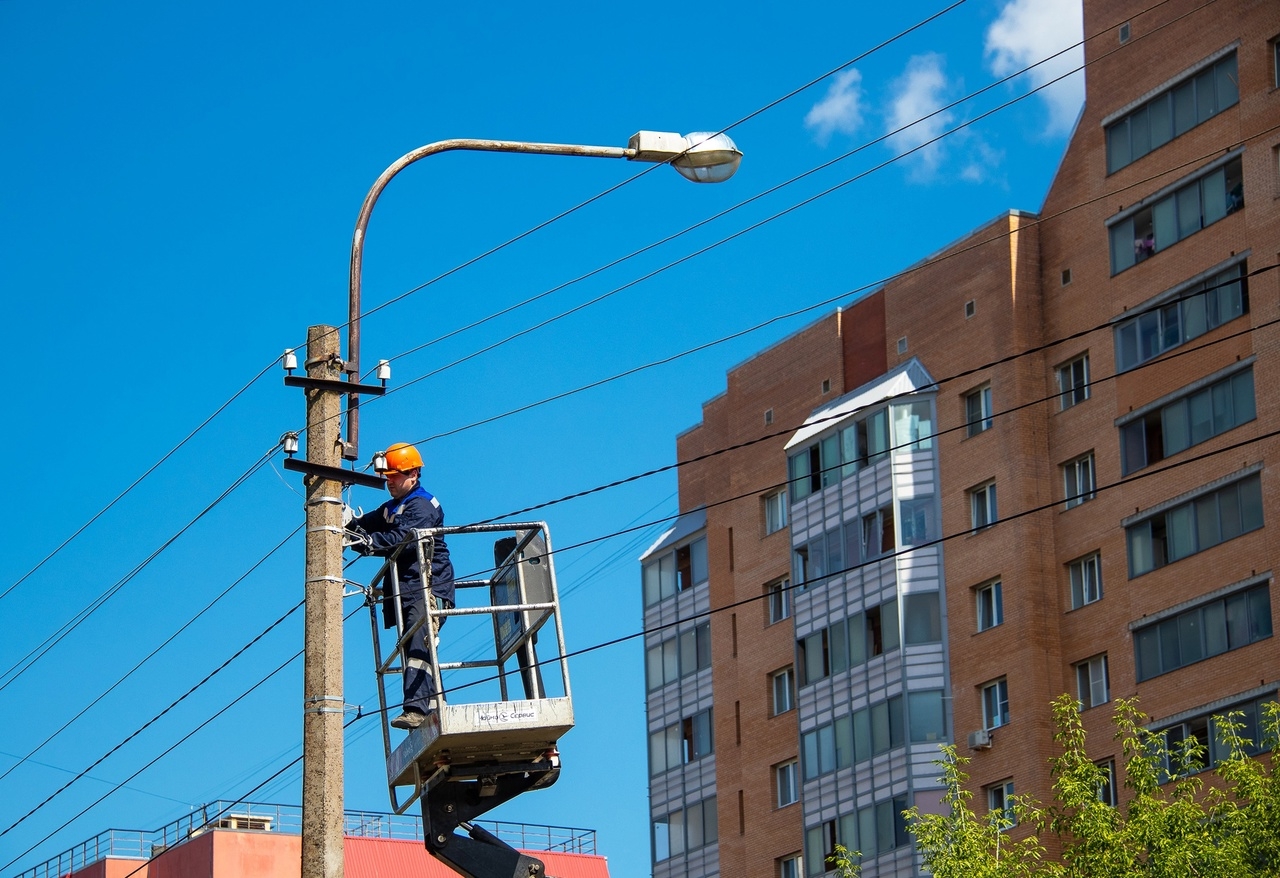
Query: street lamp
{"x": 702, "y": 157}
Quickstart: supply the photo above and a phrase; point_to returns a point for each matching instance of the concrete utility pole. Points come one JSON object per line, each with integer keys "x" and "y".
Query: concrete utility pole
{"x": 322, "y": 806}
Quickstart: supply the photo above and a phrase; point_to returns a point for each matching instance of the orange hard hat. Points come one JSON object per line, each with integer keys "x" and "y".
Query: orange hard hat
{"x": 402, "y": 456}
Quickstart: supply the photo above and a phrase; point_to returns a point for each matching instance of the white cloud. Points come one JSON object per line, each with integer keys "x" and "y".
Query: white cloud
{"x": 1028, "y": 31}
{"x": 920, "y": 91}
{"x": 982, "y": 160}
{"x": 841, "y": 108}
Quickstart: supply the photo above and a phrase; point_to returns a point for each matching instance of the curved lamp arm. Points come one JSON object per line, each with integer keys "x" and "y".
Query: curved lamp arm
{"x": 702, "y": 158}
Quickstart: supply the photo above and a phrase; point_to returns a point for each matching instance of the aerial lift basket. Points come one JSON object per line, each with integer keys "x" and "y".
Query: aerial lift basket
{"x": 493, "y": 731}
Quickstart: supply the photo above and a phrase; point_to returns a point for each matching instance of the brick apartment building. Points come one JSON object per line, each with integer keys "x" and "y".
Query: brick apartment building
{"x": 1015, "y": 474}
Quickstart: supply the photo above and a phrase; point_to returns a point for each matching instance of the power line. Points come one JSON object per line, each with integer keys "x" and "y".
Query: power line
{"x": 36, "y": 653}
{"x": 170, "y": 453}
{"x": 723, "y": 213}
{"x": 151, "y": 722}
{"x": 154, "y": 719}
{"x": 763, "y": 222}
{"x": 842, "y": 415}
{"x": 81, "y": 711}
{"x": 777, "y": 318}
{"x": 940, "y": 540}
{"x": 649, "y": 169}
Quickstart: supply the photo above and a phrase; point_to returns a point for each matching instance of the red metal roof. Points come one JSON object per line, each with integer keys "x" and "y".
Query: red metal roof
{"x": 396, "y": 858}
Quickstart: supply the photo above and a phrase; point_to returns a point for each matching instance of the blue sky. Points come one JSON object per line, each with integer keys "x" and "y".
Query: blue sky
{"x": 180, "y": 184}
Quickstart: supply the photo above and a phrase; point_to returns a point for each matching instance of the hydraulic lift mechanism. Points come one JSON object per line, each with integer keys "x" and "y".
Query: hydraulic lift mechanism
{"x": 483, "y": 744}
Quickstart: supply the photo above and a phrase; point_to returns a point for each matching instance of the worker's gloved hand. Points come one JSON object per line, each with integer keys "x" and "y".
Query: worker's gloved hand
{"x": 356, "y": 538}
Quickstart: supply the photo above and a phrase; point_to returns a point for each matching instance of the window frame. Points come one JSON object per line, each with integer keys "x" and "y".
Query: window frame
{"x": 1075, "y": 474}
{"x": 1107, "y": 792}
{"x": 775, "y": 511}
{"x": 779, "y": 600}
{"x": 1153, "y": 541}
{"x": 1220, "y": 67}
{"x": 983, "y": 498}
{"x": 1081, "y": 584}
{"x": 677, "y": 569}
{"x": 1219, "y": 625}
{"x": 996, "y": 616}
{"x": 1163, "y": 219}
{"x": 1176, "y": 424}
{"x": 1072, "y": 391}
{"x": 787, "y": 677}
{"x": 1145, "y": 332}
{"x": 995, "y": 704}
{"x": 1000, "y": 800}
{"x": 786, "y": 777}
{"x": 1093, "y": 678}
{"x": 979, "y": 421}
{"x": 791, "y": 866}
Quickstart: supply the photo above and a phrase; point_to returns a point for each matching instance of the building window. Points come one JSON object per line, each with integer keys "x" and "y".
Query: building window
{"x": 680, "y": 743}
{"x": 990, "y": 605}
{"x": 1078, "y": 480}
{"x": 977, "y": 410}
{"x": 1275, "y": 61}
{"x": 1187, "y": 103}
{"x": 827, "y": 748}
{"x": 868, "y": 732}
{"x": 686, "y": 829}
{"x": 877, "y": 533}
{"x": 917, "y": 519}
{"x": 662, "y": 663}
{"x": 921, "y": 618}
{"x": 679, "y": 656}
{"x": 1193, "y": 418}
{"x": 695, "y": 649}
{"x": 882, "y": 828}
{"x": 1000, "y": 804}
{"x": 787, "y": 776}
{"x": 790, "y": 867}
{"x": 814, "y": 658}
{"x": 675, "y": 571}
{"x": 784, "y": 690}
{"x": 1086, "y": 580}
{"x": 1197, "y": 308}
{"x": 881, "y": 628}
{"x": 1183, "y": 530}
{"x": 849, "y": 642}
{"x": 820, "y": 844}
{"x": 927, "y": 716}
{"x": 1073, "y": 382}
{"x": 995, "y": 704}
{"x": 1093, "y": 685}
{"x": 1203, "y": 631}
{"x": 912, "y": 426}
{"x": 768, "y": 417}
{"x": 904, "y": 426}
{"x": 1202, "y": 730}
{"x": 775, "y": 511}
{"x": 1139, "y": 234}
{"x": 982, "y": 505}
{"x": 779, "y": 600}
{"x": 1107, "y": 786}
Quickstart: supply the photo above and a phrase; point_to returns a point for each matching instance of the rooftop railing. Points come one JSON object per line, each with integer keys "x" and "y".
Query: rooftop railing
{"x": 137, "y": 844}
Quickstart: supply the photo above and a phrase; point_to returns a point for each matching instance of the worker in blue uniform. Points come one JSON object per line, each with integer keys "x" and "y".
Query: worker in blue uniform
{"x": 379, "y": 533}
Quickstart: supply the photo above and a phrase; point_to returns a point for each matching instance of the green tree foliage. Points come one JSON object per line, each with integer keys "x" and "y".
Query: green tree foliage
{"x": 1181, "y": 819}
